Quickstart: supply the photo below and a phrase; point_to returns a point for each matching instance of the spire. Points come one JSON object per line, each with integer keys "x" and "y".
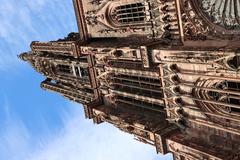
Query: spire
{"x": 25, "y": 56}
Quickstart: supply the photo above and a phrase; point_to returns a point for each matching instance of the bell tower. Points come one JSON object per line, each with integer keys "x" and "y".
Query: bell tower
{"x": 166, "y": 71}
{"x": 66, "y": 70}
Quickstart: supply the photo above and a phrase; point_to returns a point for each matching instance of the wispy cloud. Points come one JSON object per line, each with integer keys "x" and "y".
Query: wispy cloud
{"x": 79, "y": 139}
{"x": 24, "y": 21}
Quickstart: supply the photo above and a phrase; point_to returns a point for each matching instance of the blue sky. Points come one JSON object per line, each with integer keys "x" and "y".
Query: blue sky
{"x": 38, "y": 125}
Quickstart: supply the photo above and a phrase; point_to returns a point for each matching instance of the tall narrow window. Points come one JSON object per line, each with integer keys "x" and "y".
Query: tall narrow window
{"x": 78, "y": 74}
{"x": 81, "y": 72}
{"x": 84, "y": 72}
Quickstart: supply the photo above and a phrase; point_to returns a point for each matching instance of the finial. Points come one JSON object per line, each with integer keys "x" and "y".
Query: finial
{"x": 23, "y": 56}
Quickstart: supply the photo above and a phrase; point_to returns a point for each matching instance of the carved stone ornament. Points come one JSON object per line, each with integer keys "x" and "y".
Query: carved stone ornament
{"x": 208, "y": 19}
{"x": 225, "y": 13}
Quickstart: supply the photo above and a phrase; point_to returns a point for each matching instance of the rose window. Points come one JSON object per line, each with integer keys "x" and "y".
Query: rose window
{"x": 225, "y": 13}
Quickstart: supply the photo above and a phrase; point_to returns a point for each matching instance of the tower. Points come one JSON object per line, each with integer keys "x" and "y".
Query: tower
{"x": 165, "y": 71}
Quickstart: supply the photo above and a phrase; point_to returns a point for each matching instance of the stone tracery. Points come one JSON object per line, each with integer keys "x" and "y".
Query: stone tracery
{"x": 225, "y": 13}
{"x": 193, "y": 87}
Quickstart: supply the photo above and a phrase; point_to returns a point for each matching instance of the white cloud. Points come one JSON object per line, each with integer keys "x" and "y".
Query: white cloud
{"x": 79, "y": 139}
{"x": 28, "y": 20}
{"x": 15, "y": 22}
{"x": 15, "y": 25}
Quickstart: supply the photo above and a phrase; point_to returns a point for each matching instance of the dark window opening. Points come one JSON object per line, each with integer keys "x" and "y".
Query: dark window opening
{"x": 235, "y": 110}
{"x": 77, "y": 72}
{"x": 228, "y": 85}
{"x": 233, "y": 86}
{"x": 131, "y": 13}
{"x": 230, "y": 97}
{"x": 234, "y": 62}
{"x": 84, "y": 72}
{"x": 88, "y": 90}
{"x": 118, "y": 53}
{"x": 214, "y": 95}
{"x": 139, "y": 79}
{"x": 234, "y": 101}
{"x": 64, "y": 69}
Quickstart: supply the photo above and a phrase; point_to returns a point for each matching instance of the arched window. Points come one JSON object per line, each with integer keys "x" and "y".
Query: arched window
{"x": 230, "y": 97}
{"x": 225, "y": 13}
{"x": 129, "y": 13}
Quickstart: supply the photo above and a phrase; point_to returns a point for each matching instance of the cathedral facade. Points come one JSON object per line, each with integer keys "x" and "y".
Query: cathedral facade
{"x": 166, "y": 71}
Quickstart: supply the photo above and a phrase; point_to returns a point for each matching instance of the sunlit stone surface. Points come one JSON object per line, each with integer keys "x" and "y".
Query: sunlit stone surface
{"x": 166, "y": 71}
{"x": 223, "y": 12}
